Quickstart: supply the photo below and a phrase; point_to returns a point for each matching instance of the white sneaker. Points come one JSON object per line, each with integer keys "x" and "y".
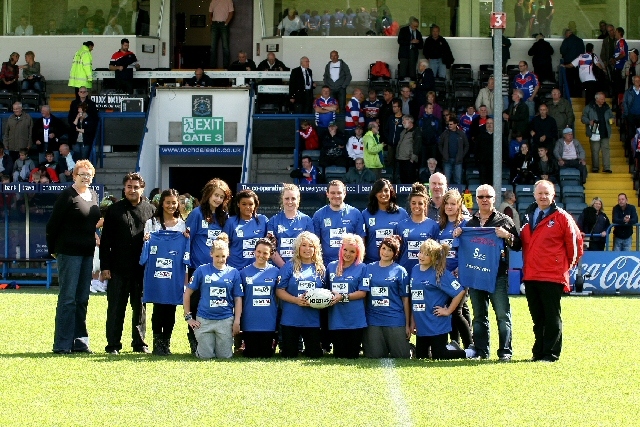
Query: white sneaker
{"x": 470, "y": 352}
{"x": 92, "y": 289}
{"x": 96, "y": 286}
{"x": 453, "y": 345}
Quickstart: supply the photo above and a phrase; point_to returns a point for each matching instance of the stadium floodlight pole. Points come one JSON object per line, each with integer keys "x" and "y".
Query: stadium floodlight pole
{"x": 497, "y": 106}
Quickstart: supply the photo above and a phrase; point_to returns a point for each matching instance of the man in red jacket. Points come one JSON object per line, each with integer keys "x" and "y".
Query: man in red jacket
{"x": 551, "y": 246}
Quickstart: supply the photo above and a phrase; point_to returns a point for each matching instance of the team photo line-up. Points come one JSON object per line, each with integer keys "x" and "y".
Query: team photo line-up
{"x": 343, "y": 280}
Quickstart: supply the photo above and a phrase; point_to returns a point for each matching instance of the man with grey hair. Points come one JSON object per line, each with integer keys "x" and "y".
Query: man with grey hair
{"x": 561, "y": 111}
{"x": 301, "y": 88}
{"x": 598, "y": 111}
{"x": 409, "y": 45}
{"x": 16, "y": 134}
{"x": 508, "y": 207}
{"x": 517, "y": 114}
{"x": 488, "y": 216}
{"x": 47, "y": 131}
{"x": 337, "y": 76}
{"x": 408, "y": 150}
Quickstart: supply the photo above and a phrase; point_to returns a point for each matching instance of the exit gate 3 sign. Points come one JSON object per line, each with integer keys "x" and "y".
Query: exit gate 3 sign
{"x": 203, "y": 130}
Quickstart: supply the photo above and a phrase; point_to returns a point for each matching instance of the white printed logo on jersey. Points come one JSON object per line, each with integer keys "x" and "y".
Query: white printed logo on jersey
{"x": 405, "y": 233}
{"x": 164, "y": 263}
{"x": 414, "y": 245}
{"x": 379, "y": 291}
{"x": 281, "y": 228}
{"x": 247, "y": 254}
{"x": 305, "y": 285}
{"x": 340, "y": 287}
{"x": 419, "y": 307}
{"x": 162, "y": 274}
{"x": 286, "y": 253}
{"x": 208, "y": 278}
{"x": 287, "y": 242}
{"x": 335, "y": 243}
{"x": 213, "y": 234}
{"x": 380, "y": 302}
{"x": 417, "y": 295}
{"x": 327, "y": 222}
{"x": 337, "y": 232}
{"x": 261, "y": 290}
{"x": 249, "y": 243}
{"x": 205, "y": 224}
{"x": 262, "y": 302}
{"x": 217, "y": 292}
{"x": 214, "y": 303}
{"x": 365, "y": 282}
{"x": 455, "y": 285}
{"x": 384, "y": 232}
{"x": 153, "y": 250}
{"x": 372, "y": 222}
{"x": 239, "y": 232}
{"x": 249, "y": 280}
{"x": 186, "y": 256}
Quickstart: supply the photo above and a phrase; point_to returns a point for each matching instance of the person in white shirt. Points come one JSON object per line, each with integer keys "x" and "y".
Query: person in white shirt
{"x": 24, "y": 29}
{"x": 585, "y": 63}
{"x": 354, "y": 145}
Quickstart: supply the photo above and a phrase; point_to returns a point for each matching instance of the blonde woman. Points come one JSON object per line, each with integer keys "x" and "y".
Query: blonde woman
{"x": 303, "y": 272}
{"x": 347, "y": 279}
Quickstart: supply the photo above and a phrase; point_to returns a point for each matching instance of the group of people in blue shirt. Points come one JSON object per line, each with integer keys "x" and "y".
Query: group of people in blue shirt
{"x": 392, "y": 273}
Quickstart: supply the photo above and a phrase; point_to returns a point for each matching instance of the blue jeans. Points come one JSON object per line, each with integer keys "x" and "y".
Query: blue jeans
{"x": 74, "y": 276}
{"x": 220, "y": 31}
{"x": 500, "y": 302}
{"x": 449, "y": 166}
{"x": 622, "y": 244}
{"x": 439, "y": 69}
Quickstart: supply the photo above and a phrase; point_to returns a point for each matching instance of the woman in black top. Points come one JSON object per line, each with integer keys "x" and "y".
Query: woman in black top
{"x": 71, "y": 238}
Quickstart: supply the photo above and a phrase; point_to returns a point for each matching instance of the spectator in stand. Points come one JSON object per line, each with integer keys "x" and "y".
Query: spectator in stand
{"x": 408, "y": 150}
{"x": 47, "y": 131}
{"x": 522, "y": 166}
{"x": 608, "y": 46}
{"x": 6, "y": 162}
{"x": 49, "y": 164}
{"x": 598, "y": 113}
{"x": 631, "y": 68}
{"x": 334, "y": 150}
{"x": 477, "y": 125}
{"x": 386, "y": 111}
{"x": 90, "y": 29}
{"x": 310, "y": 136}
{"x": 359, "y": 174}
{"x": 546, "y": 167}
{"x": 22, "y": 166}
{"x": 517, "y": 114}
{"x": 453, "y": 148}
{"x": 66, "y": 163}
{"x": 220, "y": 16}
{"x": 307, "y": 174}
{"x": 585, "y": 64}
{"x": 631, "y": 107}
{"x": 372, "y": 149}
{"x": 572, "y": 46}
{"x": 593, "y": 224}
{"x": 394, "y": 129}
{"x": 24, "y": 29}
{"x": 617, "y": 62}
{"x": 243, "y": 63}
{"x": 431, "y": 131}
{"x": 541, "y": 53}
{"x": 325, "y": 109}
{"x": 425, "y": 82}
{"x": 409, "y": 45}
{"x": 437, "y": 109}
{"x": 31, "y": 73}
{"x": 123, "y": 62}
{"x": 624, "y": 217}
{"x": 82, "y": 98}
{"x": 561, "y": 111}
{"x": 10, "y": 73}
{"x": 528, "y": 83}
{"x": 17, "y": 132}
{"x": 301, "y": 88}
{"x": 467, "y": 119}
{"x": 508, "y": 207}
{"x": 199, "y": 79}
{"x": 290, "y": 24}
{"x": 371, "y": 107}
{"x": 430, "y": 169}
{"x": 484, "y": 151}
{"x": 408, "y": 105}
{"x": 337, "y": 76}
{"x": 83, "y": 132}
{"x": 354, "y": 116}
{"x": 272, "y": 64}
{"x": 113, "y": 28}
{"x": 514, "y": 145}
{"x": 98, "y": 19}
{"x": 543, "y": 129}
{"x": 81, "y": 74}
{"x": 570, "y": 154}
{"x": 355, "y": 146}
{"x": 485, "y": 96}
{"x": 437, "y": 51}
{"x": 603, "y": 29}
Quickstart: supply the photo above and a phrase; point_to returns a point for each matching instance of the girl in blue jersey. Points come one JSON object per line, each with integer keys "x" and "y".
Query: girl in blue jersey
{"x": 388, "y": 310}
{"x": 205, "y": 224}
{"x": 417, "y": 228}
{"x": 347, "y": 279}
{"x": 287, "y": 224}
{"x": 304, "y": 271}
{"x": 220, "y": 306}
{"x": 163, "y": 319}
{"x": 431, "y": 287}
{"x": 258, "y": 320}
{"x": 451, "y": 216}
{"x": 381, "y": 217}
{"x": 245, "y": 228}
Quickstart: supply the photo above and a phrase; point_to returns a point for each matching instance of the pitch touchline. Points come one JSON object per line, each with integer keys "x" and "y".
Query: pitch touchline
{"x": 395, "y": 390}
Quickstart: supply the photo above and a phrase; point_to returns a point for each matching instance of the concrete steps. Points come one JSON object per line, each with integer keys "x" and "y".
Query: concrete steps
{"x": 115, "y": 167}
{"x": 60, "y": 102}
{"x": 271, "y": 168}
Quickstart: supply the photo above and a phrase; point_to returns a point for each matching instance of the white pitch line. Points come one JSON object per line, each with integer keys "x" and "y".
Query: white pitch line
{"x": 395, "y": 390}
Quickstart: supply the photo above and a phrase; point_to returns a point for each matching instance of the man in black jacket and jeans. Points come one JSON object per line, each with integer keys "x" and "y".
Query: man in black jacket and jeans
{"x": 120, "y": 249}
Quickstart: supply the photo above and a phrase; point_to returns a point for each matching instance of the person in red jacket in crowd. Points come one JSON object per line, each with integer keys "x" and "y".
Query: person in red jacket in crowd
{"x": 551, "y": 246}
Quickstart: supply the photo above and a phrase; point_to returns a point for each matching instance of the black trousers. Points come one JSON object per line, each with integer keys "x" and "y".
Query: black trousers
{"x": 438, "y": 346}
{"x": 347, "y": 343}
{"x": 543, "y": 299}
{"x": 120, "y": 290}
{"x": 163, "y": 319}
{"x": 258, "y": 344}
{"x": 461, "y": 323}
{"x": 291, "y": 336}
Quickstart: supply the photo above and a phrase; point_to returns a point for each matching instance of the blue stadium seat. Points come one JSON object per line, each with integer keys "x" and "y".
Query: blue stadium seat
{"x": 314, "y": 154}
{"x": 334, "y": 172}
{"x": 575, "y": 208}
{"x": 573, "y": 194}
{"x": 570, "y": 176}
{"x": 524, "y": 193}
